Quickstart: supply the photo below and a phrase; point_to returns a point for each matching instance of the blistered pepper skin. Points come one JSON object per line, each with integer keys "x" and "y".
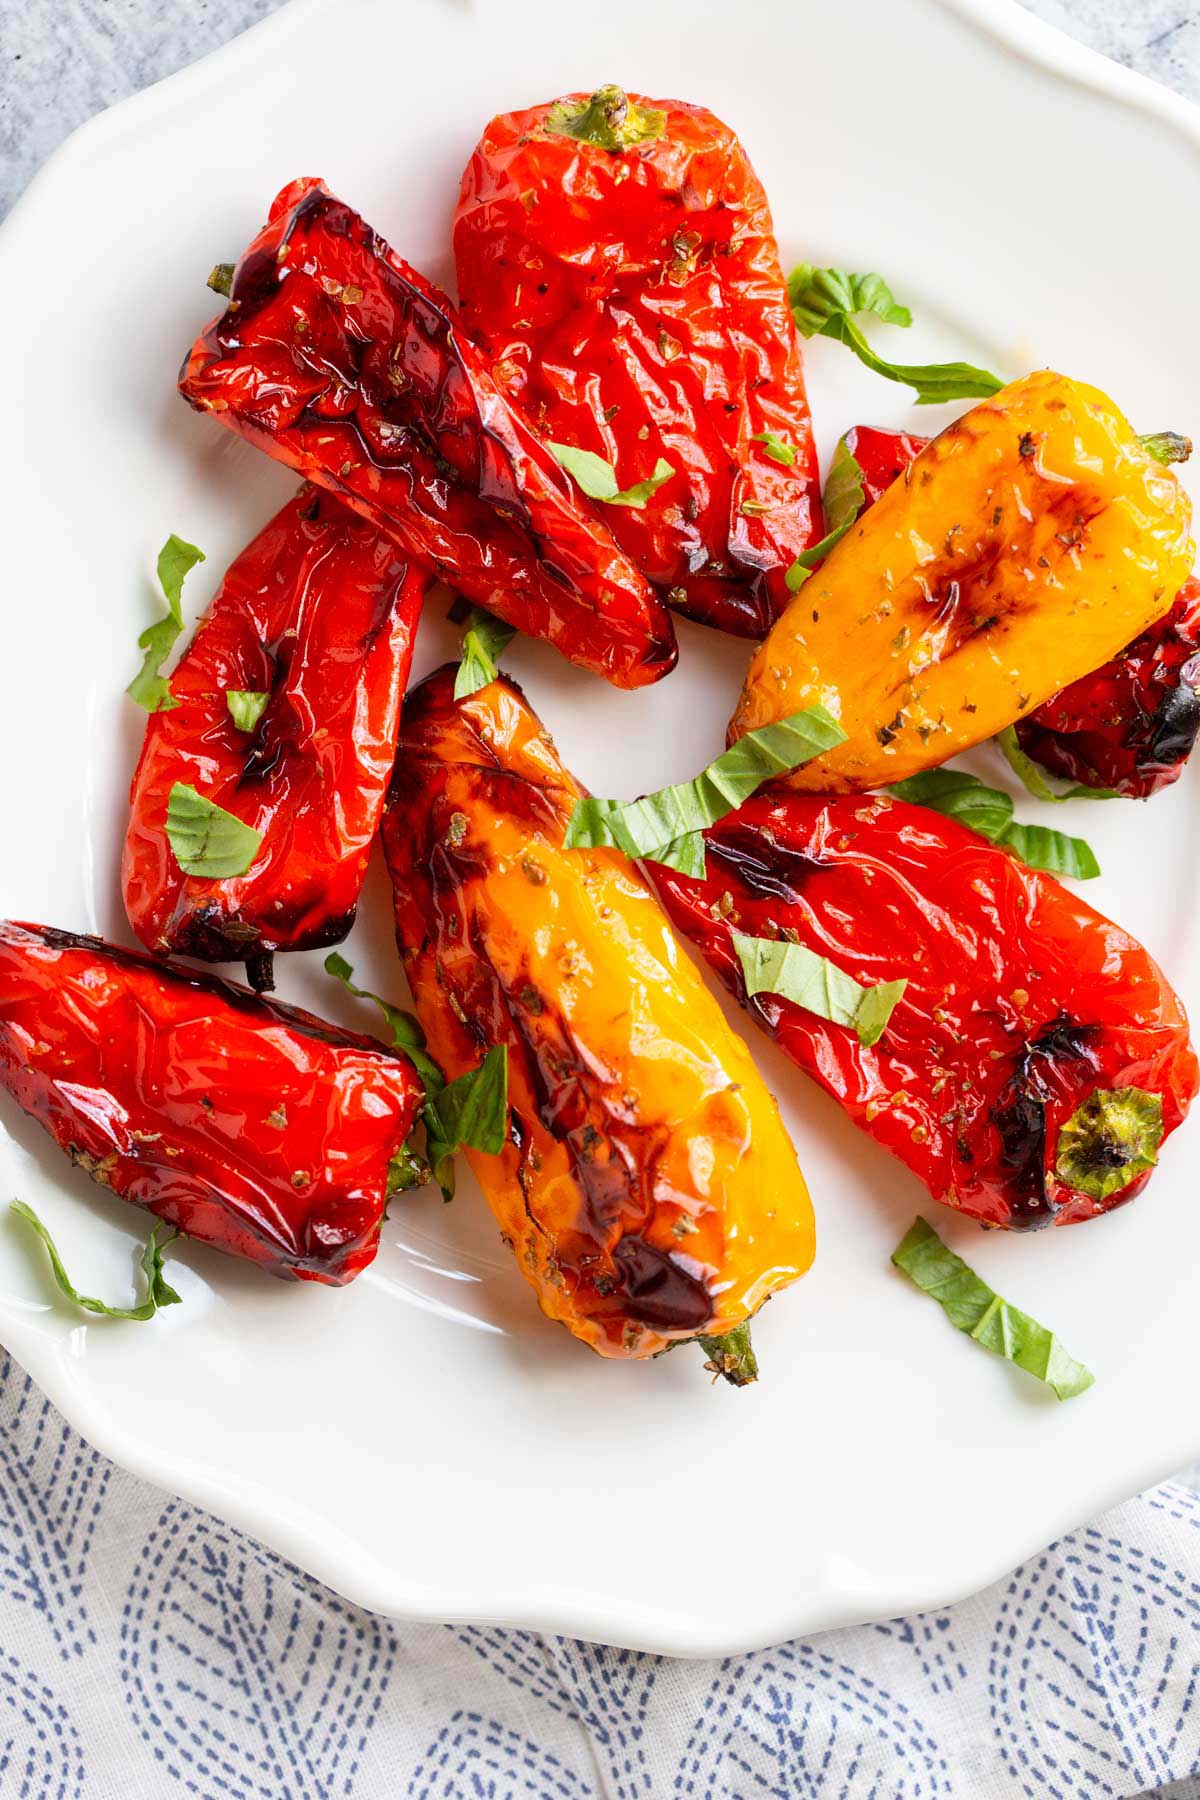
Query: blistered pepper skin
{"x": 319, "y": 612}
{"x": 1022, "y": 1002}
{"x": 1129, "y": 725}
{"x": 1025, "y": 546}
{"x": 648, "y": 1188}
{"x": 634, "y": 303}
{"x": 249, "y": 1125}
{"x": 340, "y": 360}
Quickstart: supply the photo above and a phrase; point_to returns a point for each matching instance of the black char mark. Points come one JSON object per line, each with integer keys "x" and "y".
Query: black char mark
{"x": 1020, "y": 1119}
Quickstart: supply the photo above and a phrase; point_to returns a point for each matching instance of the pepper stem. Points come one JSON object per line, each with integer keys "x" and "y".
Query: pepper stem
{"x": 1166, "y": 446}
{"x": 732, "y": 1356}
{"x": 260, "y": 971}
{"x": 1111, "y": 1140}
{"x": 610, "y": 120}
{"x": 221, "y": 279}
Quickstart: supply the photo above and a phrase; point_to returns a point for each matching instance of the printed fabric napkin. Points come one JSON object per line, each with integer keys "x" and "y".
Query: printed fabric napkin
{"x": 147, "y": 1650}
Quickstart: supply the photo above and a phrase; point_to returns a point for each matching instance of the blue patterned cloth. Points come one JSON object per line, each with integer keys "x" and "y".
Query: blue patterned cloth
{"x": 147, "y": 1650}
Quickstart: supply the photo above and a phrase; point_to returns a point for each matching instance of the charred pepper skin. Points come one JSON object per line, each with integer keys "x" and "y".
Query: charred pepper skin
{"x": 1129, "y": 725}
{"x": 635, "y": 306}
{"x": 246, "y": 1124}
{"x": 1022, "y": 1002}
{"x": 1025, "y": 546}
{"x": 340, "y": 360}
{"x": 648, "y": 1188}
{"x": 320, "y": 612}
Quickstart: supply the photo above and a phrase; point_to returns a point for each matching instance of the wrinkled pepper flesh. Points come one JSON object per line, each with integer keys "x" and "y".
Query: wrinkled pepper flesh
{"x": 319, "y": 613}
{"x": 339, "y": 359}
{"x": 648, "y": 1188}
{"x": 1037, "y": 1059}
{"x": 1024, "y": 547}
{"x": 1129, "y": 725}
{"x": 247, "y": 1124}
{"x": 617, "y": 256}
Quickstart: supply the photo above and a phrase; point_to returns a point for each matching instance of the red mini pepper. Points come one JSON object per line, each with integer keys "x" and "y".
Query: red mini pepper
{"x": 340, "y": 360}
{"x": 617, "y": 255}
{"x": 1037, "y": 1058}
{"x": 1132, "y": 723}
{"x": 247, "y": 1124}
{"x": 319, "y": 613}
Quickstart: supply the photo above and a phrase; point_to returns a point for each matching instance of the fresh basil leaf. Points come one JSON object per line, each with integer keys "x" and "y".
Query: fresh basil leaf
{"x": 149, "y": 687}
{"x": 960, "y": 796}
{"x": 990, "y": 813}
{"x": 972, "y": 1307}
{"x": 1166, "y": 446}
{"x": 485, "y": 639}
{"x": 798, "y": 974}
{"x": 407, "y": 1034}
{"x": 598, "y": 479}
{"x": 471, "y": 1110}
{"x": 825, "y": 303}
{"x": 1033, "y": 778}
{"x": 815, "y": 295}
{"x": 205, "y": 839}
{"x": 664, "y": 825}
{"x": 610, "y": 120}
{"x": 843, "y": 500}
{"x": 158, "y": 1290}
{"x": 246, "y": 706}
{"x": 777, "y": 448}
{"x": 1052, "y": 851}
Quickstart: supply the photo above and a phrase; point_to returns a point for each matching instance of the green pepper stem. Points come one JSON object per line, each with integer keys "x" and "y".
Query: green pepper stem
{"x": 1166, "y": 446}
{"x": 221, "y": 279}
{"x": 732, "y": 1356}
{"x": 610, "y": 120}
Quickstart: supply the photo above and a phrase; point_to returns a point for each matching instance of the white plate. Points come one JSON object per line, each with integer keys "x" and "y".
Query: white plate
{"x": 424, "y": 1441}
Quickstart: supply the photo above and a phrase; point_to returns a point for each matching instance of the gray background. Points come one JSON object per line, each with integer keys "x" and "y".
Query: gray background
{"x": 63, "y": 60}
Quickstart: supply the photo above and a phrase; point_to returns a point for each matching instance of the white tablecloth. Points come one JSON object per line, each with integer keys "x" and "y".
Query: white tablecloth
{"x": 148, "y": 1650}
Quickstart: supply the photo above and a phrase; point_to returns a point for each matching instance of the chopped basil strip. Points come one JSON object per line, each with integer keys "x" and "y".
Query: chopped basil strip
{"x": 1032, "y": 777}
{"x": 798, "y": 974}
{"x": 246, "y": 706}
{"x": 665, "y": 826}
{"x": 407, "y": 1034}
{"x": 598, "y": 479}
{"x": 149, "y": 687}
{"x": 825, "y": 303}
{"x": 1166, "y": 446}
{"x": 205, "y": 839}
{"x": 472, "y": 1110}
{"x": 843, "y": 501}
{"x": 610, "y": 120}
{"x": 1109, "y": 1141}
{"x": 777, "y": 448}
{"x": 485, "y": 639}
{"x": 990, "y": 813}
{"x": 970, "y": 1305}
{"x": 158, "y": 1290}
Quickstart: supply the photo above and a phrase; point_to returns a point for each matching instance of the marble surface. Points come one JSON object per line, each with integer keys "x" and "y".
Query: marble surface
{"x": 63, "y": 60}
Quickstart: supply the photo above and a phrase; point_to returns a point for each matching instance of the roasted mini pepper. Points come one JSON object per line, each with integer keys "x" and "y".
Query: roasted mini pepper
{"x": 337, "y": 358}
{"x": 617, "y": 256}
{"x": 316, "y": 618}
{"x": 1037, "y": 1057}
{"x": 1024, "y": 547}
{"x": 1129, "y": 725}
{"x": 648, "y": 1188}
{"x": 249, "y": 1125}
